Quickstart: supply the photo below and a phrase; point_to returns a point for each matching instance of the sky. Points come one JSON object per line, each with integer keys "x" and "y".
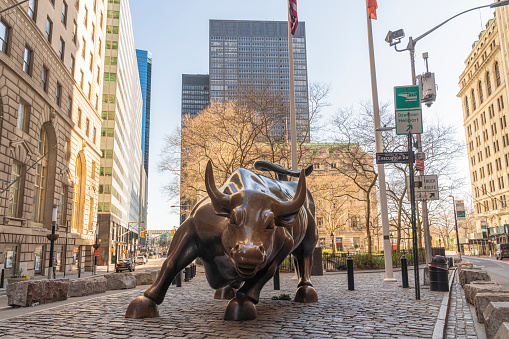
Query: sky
{"x": 176, "y": 32}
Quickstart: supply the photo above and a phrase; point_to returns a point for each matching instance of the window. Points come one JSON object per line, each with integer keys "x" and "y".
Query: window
{"x": 101, "y": 20}
{"x": 467, "y": 107}
{"x": 473, "y": 100}
{"x": 49, "y": 29}
{"x": 85, "y": 18}
{"x": 91, "y": 66}
{"x": 69, "y": 107}
{"x": 4, "y": 31}
{"x": 67, "y": 149}
{"x": 77, "y": 210}
{"x": 64, "y": 13}
{"x": 58, "y": 94}
{"x": 44, "y": 79}
{"x": 98, "y": 74}
{"x": 27, "y": 61}
{"x": 62, "y": 216}
{"x": 93, "y": 32}
{"x": 84, "y": 48}
{"x": 89, "y": 91}
{"x": 15, "y": 191}
{"x": 94, "y": 136}
{"x": 32, "y": 7}
{"x": 61, "y": 49}
{"x": 488, "y": 82}
{"x": 100, "y": 47}
{"x": 481, "y": 95}
{"x": 40, "y": 179}
{"x": 21, "y": 123}
{"x": 94, "y": 170}
{"x": 74, "y": 31}
{"x": 79, "y": 117}
{"x": 71, "y": 68}
{"x": 87, "y": 127}
{"x": 497, "y": 73}
{"x": 82, "y": 79}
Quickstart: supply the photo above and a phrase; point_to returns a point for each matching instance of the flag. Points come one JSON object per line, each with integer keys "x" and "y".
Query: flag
{"x": 372, "y": 6}
{"x": 293, "y": 15}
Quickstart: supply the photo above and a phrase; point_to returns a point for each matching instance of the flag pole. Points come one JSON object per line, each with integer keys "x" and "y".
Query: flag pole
{"x": 293, "y": 122}
{"x": 389, "y": 275}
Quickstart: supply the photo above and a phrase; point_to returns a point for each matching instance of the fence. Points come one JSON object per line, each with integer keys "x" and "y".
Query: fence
{"x": 333, "y": 262}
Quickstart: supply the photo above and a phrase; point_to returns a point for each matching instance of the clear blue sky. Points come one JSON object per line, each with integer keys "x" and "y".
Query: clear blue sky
{"x": 176, "y": 32}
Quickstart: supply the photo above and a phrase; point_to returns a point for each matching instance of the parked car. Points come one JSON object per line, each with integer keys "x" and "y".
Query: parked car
{"x": 502, "y": 251}
{"x": 141, "y": 260}
{"x": 125, "y": 265}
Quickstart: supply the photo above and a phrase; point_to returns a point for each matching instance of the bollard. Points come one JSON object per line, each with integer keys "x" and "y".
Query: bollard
{"x": 2, "y": 279}
{"x": 276, "y": 280}
{"x": 179, "y": 279}
{"x": 187, "y": 274}
{"x": 194, "y": 270}
{"x": 404, "y": 271}
{"x": 349, "y": 268}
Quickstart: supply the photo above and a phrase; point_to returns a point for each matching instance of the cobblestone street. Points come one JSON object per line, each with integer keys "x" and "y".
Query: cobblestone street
{"x": 373, "y": 310}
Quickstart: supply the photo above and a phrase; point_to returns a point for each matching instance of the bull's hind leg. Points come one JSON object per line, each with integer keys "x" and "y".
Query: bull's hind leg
{"x": 227, "y": 292}
{"x": 181, "y": 253}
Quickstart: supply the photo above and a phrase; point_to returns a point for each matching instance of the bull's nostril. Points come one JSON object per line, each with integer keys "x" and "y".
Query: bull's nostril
{"x": 236, "y": 248}
{"x": 262, "y": 249}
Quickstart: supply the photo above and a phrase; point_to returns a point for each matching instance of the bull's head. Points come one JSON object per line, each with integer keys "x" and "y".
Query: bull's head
{"x": 256, "y": 223}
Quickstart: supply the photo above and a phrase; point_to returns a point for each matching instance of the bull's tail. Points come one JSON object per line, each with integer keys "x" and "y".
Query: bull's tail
{"x": 282, "y": 173}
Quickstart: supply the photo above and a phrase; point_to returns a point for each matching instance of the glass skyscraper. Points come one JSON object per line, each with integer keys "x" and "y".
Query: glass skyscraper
{"x": 255, "y": 53}
{"x": 145, "y": 71}
{"x": 195, "y": 93}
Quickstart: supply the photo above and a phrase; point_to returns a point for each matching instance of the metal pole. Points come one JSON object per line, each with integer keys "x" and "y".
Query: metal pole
{"x": 52, "y": 239}
{"x": 293, "y": 120}
{"x": 389, "y": 274}
{"x": 65, "y": 248}
{"x": 414, "y": 227}
{"x": 456, "y": 227}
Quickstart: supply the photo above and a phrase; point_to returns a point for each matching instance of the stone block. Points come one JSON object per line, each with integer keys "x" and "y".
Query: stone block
{"x": 87, "y": 286}
{"x": 475, "y": 287}
{"x": 494, "y": 316}
{"x": 120, "y": 281}
{"x": 465, "y": 264}
{"x": 27, "y": 293}
{"x": 503, "y": 331}
{"x": 482, "y": 300}
{"x": 17, "y": 294}
{"x": 466, "y": 276}
{"x": 145, "y": 277}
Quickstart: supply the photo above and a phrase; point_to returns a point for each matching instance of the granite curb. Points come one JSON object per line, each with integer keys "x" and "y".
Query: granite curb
{"x": 439, "y": 331}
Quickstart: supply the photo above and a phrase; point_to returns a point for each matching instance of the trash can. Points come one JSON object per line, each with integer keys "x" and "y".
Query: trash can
{"x": 438, "y": 274}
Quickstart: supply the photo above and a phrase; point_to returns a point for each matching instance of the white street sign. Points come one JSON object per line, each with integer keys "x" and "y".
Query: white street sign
{"x": 409, "y": 121}
{"x": 426, "y": 187}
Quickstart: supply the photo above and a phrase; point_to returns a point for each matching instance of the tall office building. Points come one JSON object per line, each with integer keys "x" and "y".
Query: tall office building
{"x": 50, "y": 87}
{"x": 255, "y": 54}
{"x": 145, "y": 71}
{"x": 195, "y": 93}
{"x": 120, "y": 182}
{"x": 484, "y": 94}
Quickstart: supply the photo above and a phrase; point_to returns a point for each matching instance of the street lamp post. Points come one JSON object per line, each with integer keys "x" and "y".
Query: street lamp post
{"x": 97, "y": 244}
{"x": 456, "y": 226}
{"x": 129, "y": 228}
{"x": 394, "y": 38}
{"x": 52, "y": 237}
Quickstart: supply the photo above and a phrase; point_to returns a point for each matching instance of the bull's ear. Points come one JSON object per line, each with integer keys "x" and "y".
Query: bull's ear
{"x": 220, "y": 210}
{"x": 287, "y": 221}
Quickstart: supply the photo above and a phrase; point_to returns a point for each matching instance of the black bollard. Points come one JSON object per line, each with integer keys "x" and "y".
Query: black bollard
{"x": 187, "y": 274}
{"x": 277, "y": 286}
{"x": 349, "y": 269}
{"x": 179, "y": 279}
{"x": 194, "y": 270}
{"x": 2, "y": 279}
{"x": 404, "y": 271}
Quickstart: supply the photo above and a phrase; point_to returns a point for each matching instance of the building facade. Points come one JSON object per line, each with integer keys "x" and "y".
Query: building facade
{"x": 245, "y": 54}
{"x": 484, "y": 95}
{"x": 49, "y": 146}
{"x": 121, "y": 172}
{"x": 195, "y": 93}
{"x": 145, "y": 71}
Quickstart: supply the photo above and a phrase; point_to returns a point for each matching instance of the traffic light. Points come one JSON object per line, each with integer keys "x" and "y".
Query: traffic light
{"x": 143, "y": 234}
{"x": 172, "y": 233}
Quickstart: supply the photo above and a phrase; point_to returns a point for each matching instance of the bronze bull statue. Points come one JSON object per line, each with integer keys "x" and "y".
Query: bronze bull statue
{"x": 242, "y": 232}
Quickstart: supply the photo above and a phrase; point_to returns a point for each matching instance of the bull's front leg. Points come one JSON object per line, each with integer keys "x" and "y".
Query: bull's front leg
{"x": 181, "y": 253}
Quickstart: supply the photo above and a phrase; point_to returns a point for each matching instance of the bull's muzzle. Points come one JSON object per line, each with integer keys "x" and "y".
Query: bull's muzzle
{"x": 248, "y": 259}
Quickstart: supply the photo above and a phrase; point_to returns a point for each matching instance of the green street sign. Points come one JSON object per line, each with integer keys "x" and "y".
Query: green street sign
{"x": 407, "y": 98}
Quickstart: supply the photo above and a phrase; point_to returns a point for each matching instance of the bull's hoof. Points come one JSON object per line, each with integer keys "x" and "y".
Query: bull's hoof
{"x": 239, "y": 309}
{"x": 142, "y": 307}
{"x": 225, "y": 293}
{"x": 306, "y": 294}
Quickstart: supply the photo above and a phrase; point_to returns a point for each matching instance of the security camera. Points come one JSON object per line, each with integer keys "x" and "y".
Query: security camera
{"x": 396, "y": 35}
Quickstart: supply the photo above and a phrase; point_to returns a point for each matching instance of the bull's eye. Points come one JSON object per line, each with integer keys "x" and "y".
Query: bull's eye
{"x": 232, "y": 222}
{"x": 271, "y": 225}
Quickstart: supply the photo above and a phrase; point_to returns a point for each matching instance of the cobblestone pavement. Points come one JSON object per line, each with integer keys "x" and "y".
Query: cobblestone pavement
{"x": 374, "y": 310}
{"x": 461, "y": 323}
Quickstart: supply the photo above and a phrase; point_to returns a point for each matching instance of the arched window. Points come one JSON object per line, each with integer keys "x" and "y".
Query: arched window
{"x": 488, "y": 82}
{"x": 467, "y": 106}
{"x": 40, "y": 178}
{"x": 497, "y": 74}
{"x": 473, "y": 99}
{"x": 78, "y": 201}
{"x": 481, "y": 95}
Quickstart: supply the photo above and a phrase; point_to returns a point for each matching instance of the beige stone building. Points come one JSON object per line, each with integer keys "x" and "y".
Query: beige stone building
{"x": 484, "y": 95}
{"x": 50, "y": 85}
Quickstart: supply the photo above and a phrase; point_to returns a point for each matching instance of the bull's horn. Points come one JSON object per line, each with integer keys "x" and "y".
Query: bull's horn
{"x": 292, "y": 206}
{"x": 220, "y": 201}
